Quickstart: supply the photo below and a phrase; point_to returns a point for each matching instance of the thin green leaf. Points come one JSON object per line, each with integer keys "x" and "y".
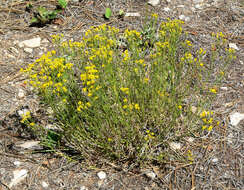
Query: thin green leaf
{"x": 62, "y": 3}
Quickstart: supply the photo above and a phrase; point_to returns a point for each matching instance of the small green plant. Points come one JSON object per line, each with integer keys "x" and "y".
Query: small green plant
{"x": 62, "y": 3}
{"x": 108, "y": 13}
{"x": 44, "y": 16}
{"x": 127, "y": 104}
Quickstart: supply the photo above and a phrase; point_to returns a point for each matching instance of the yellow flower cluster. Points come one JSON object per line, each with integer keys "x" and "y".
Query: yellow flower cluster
{"x": 88, "y": 78}
{"x": 82, "y": 106}
{"x": 171, "y": 26}
{"x": 149, "y": 135}
{"x": 46, "y": 73}
{"x": 207, "y": 118}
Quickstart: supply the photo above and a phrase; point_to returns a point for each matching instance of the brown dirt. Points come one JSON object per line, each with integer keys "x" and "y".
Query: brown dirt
{"x": 226, "y": 173}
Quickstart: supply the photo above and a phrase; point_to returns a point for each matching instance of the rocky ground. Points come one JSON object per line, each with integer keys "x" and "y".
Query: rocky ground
{"x": 219, "y": 156}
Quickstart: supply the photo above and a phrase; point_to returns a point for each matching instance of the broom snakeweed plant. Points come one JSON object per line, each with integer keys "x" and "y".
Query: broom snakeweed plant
{"x": 116, "y": 103}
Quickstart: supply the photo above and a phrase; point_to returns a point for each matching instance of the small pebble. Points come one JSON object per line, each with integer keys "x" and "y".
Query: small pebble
{"x": 21, "y": 93}
{"x": 153, "y": 2}
{"x": 215, "y": 160}
{"x": 101, "y": 175}
{"x": 167, "y": 9}
{"x": 83, "y": 188}
{"x": 175, "y": 145}
{"x": 233, "y": 45}
{"x": 44, "y": 184}
{"x": 151, "y": 175}
{"x": 235, "y": 118}
{"x": 17, "y": 163}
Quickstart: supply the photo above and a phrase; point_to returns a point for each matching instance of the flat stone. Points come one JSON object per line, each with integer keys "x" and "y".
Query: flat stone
{"x": 28, "y": 144}
{"x": 83, "y": 188}
{"x": 175, "y": 145}
{"x": 19, "y": 175}
{"x": 235, "y": 118}
{"x": 233, "y": 45}
{"x": 167, "y": 9}
{"x": 28, "y": 50}
{"x": 132, "y": 14}
{"x": 153, "y": 2}
{"x": 31, "y": 43}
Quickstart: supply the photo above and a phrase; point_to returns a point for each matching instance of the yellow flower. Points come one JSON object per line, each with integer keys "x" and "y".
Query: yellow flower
{"x": 204, "y": 127}
{"x": 213, "y": 90}
{"x": 137, "y": 107}
{"x": 88, "y": 104}
{"x": 109, "y": 139}
{"x": 180, "y": 107}
{"x": 203, "y": 114}
{"x": 210, "y": 128}
{"x": 32, "y": 124}
{"x": 125, "y": 90}
{"x": 146, "y": 80}
{"x": 125, "y": 106}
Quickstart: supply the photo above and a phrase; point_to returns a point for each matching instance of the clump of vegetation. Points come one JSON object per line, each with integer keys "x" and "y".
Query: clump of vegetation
{"x": 42, "y": 15}
{"x": 128, "y": 104}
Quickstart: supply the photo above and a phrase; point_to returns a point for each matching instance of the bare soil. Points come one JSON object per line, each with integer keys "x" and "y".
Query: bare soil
{"x": 219, "y": 157}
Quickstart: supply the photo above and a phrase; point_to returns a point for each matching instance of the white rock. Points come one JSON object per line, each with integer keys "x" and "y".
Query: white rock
{"x": 19, "y": 175}
{"x": 198, "y": 1}
{"x": 223, "y": 88}
{"x": 184, "y": 18}
{"x": 167, "y": 9}
{"x": 13, "y": 49}
{"x": 235, "y": 118}
{"x": 28, "y": 144}
{"x": 230, "y": 138}
{"x": 190, "y": 139}
{"x": 101, "y": 175}
{"x": 10, "y": 56}
{"x": 215, "y": 160}
{"x": 180, "y": 6}
{"x": 151, "y": 175}
{"x": 233, "y": 45}
{"x": 199, "y": 6}
{"x": 28, "y": 50}
{"x": 44, "y": 184}
{"x": 45, "y": 41}
{"x": 22, "y": 112}
{"x": 175, "y": 145}
{"x": 241, "y": 62}
{"x": 17, "y": 163}
{"x": 31, "y": 43}
{"x": 83, "y": 188}
{"x": 153, "y": 2}
{"x": 21, "y": 93}
{"x": 132, "y": 14}
{"x": 168, "y": 1}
